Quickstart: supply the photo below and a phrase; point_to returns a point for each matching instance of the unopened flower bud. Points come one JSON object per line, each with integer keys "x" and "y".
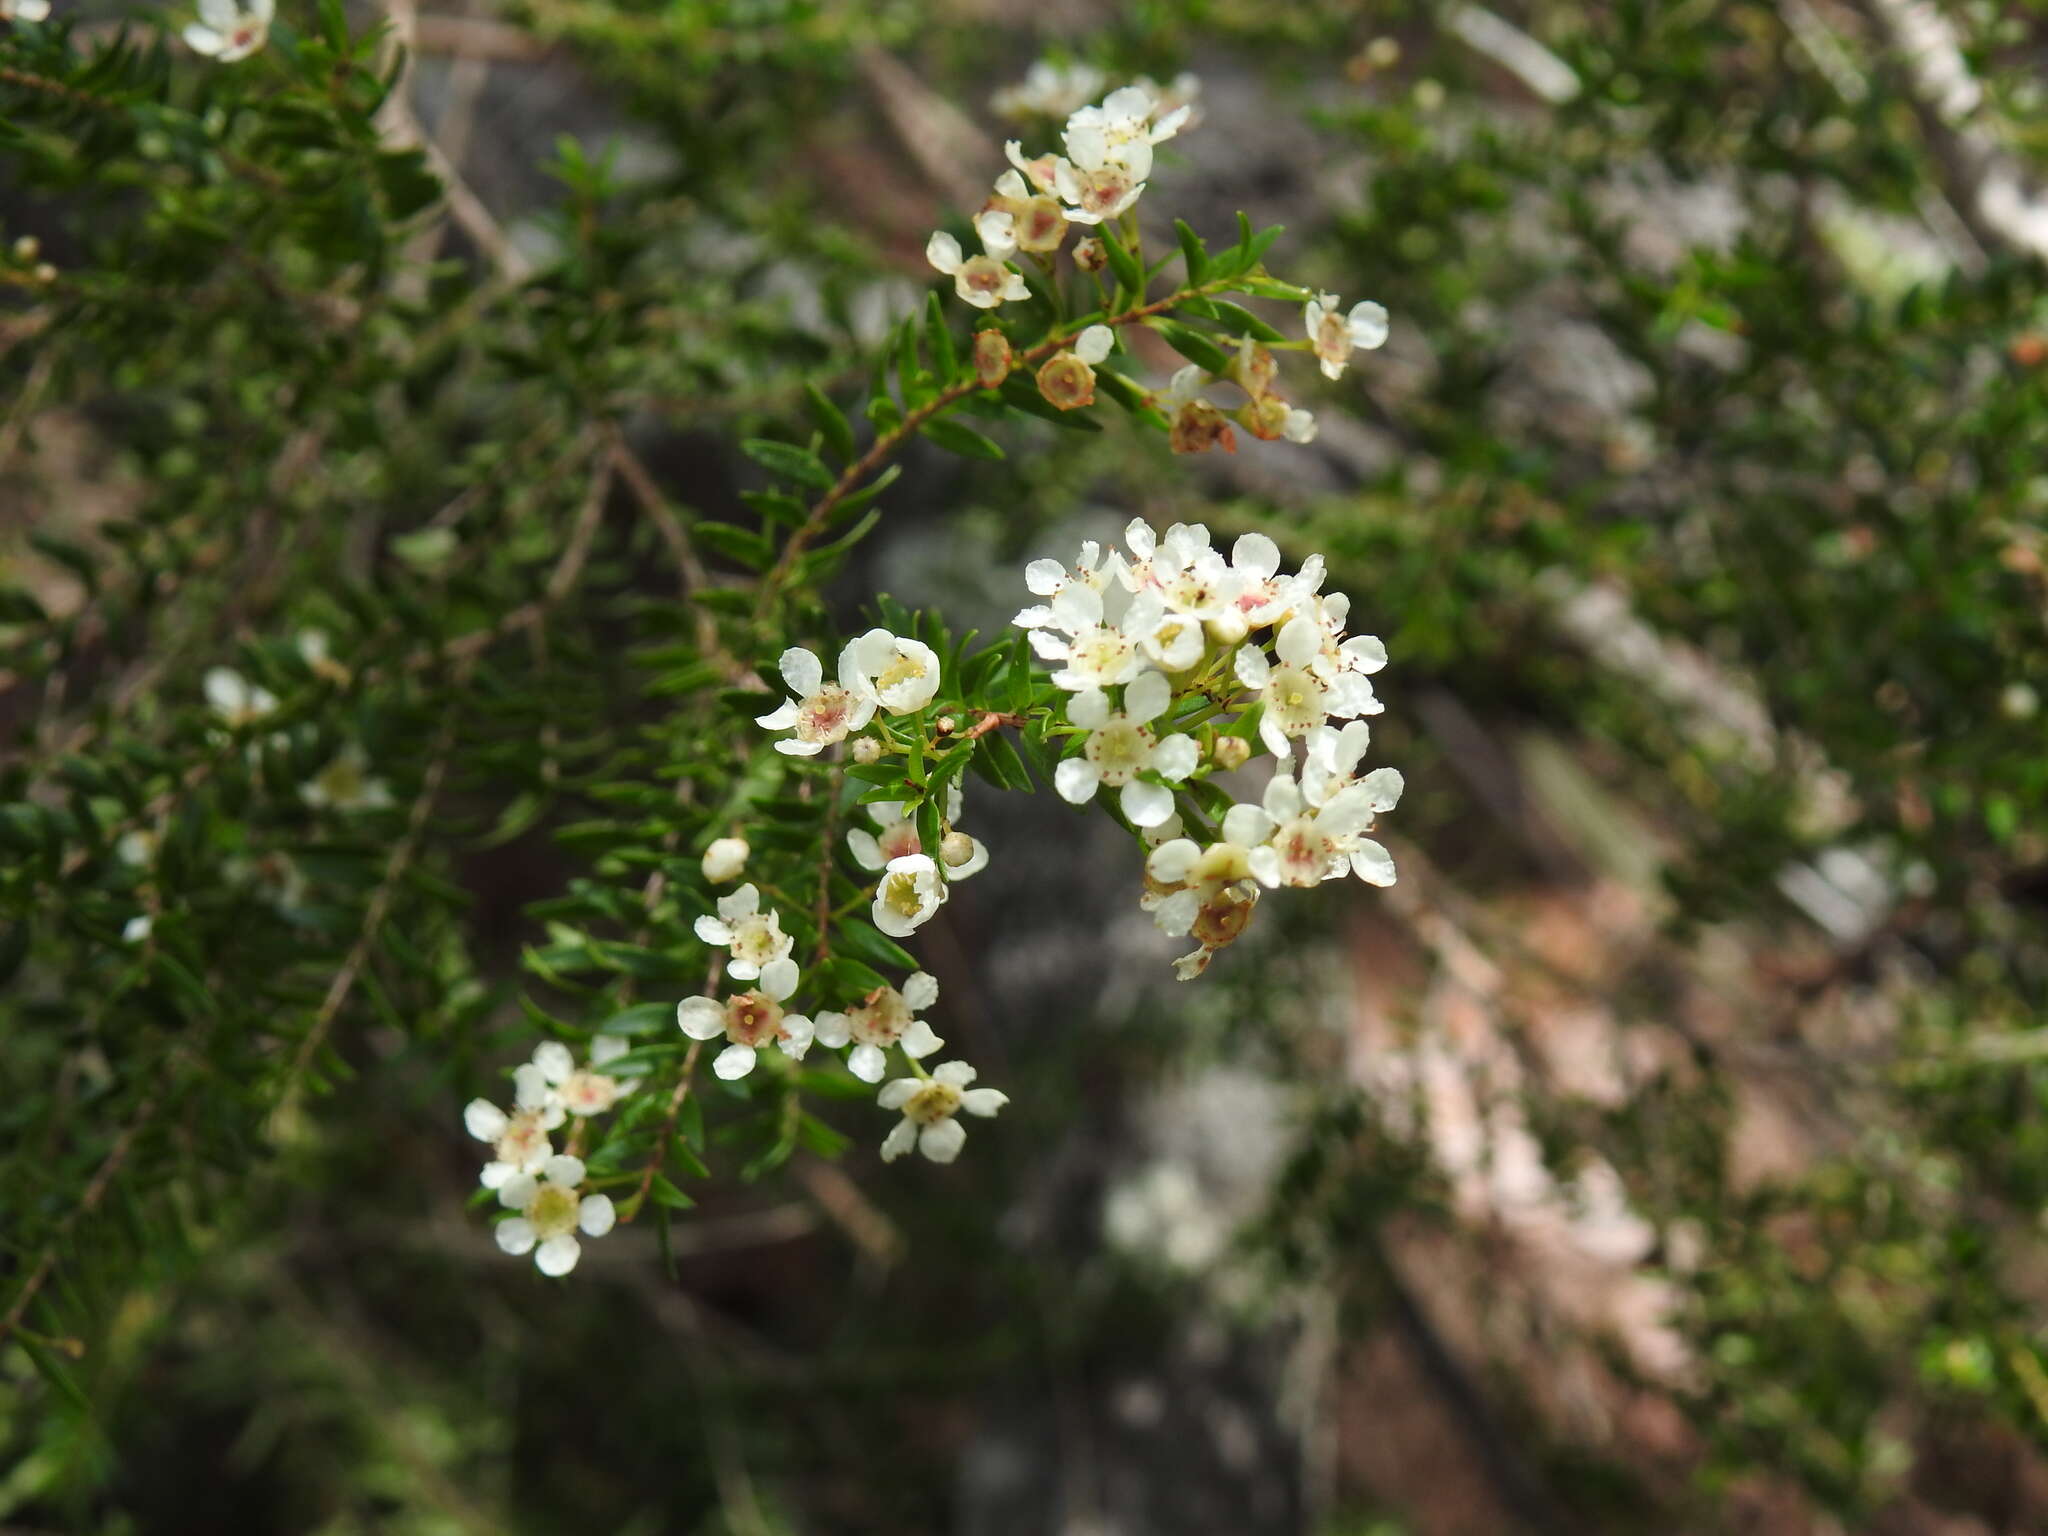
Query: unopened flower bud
{"x": 1089, "y": 255}
{"x": 991, "y": 358}
{"x": 725, "y": 859}
{"x": 1231, "y": 752}
{"x": 867, "y": 750}
{"x": 946, "y": 725}
{"x": 27, "y": 248}
{"x": 956, "y": 849}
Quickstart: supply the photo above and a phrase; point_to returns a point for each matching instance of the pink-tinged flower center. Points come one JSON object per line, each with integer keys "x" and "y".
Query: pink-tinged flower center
{"x": 752, "y": 1018}
{"x": 589, "y": 1093}
{"x": 1333, "y": 338}
{"x": 1041, "y": 226}
{"x": 899, "y": 841}
{"x": 1067, "y": 382}
{"x": 822, "y": 718}
{"x": 1304, "y": 852}
{"x": 881, "y": 1019}
{"x": 524, "y": 1140}
{"x": 984, "y": 274}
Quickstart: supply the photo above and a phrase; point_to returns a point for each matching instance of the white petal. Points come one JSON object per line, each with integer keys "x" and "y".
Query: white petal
{"x": 943, "y": 252}
{"x": 1282, "y": 800}
{"x": 1384, "y": 785}
{"x": 595, "y": 1215}
{"x": 734, "y": 1061}
{"x": 1273, "y": 735}
{"x": 1147, "y": 696}
{"x": 1048, "y": 646}
{"x": 1146, "y": 805}
{"x": 831, "y": 1029}
{"x": 1176, "y": 915}
{"x": 1043, "y": 577}
{"x": 564, "y": 1169}
{"x": 802, "y": 671}
{"x": 606, "y": 1048}
{"x": 1265, "y": 865}
{"x": 1368, "y": 324}
{"x": 1372, "y": 863}
{"x": 1255, "y": 555}
{"x": 1245, "y": 825}
{"x": 779, "y": 978}
{"x": 918, "y": 1040}
{"x": 1093, "y": 344}
{"x": 797, "y": 1033}
{"x": 921, "y": 991}
{"x": 1089, "y": 709}
{"x": 557, "y": 1256}
{"x": 1364, "y": 653}
{"x": 484, "y": 1120}
{"x": 868, "y": 1062}
{"x": 529, "y": 1086}
{"x": 1077, "y": 607}
{"x": 1171, "y": 862}
{"x": 1075, "y": 779}
{"x": 700, "y": 1018}
{"x": 956, "y": 1074}
{"x": 899, "y": 1140}
{"x": 942, "y": 1142}
{"x": 495, "y": 1174}
{"x": 1300, "y": 640}
{"x": 983, "y": 1101}
{"x": 1176, "y": 757}
{"x": 517, "y": 1192}
{"x": 515, "y": 1235}
{"x": 712, "y": 931}
{"x": 1251, "y": 667}
{"x": 781, "y": 719}
{"x": 897, "y": 1092}
{"x": 554, "y": 1060}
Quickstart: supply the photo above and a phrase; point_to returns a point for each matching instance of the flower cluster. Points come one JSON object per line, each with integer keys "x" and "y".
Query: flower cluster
{"x": 543, "y": 1189}
{"x": 1175, "y": 636}
{"x": 877, "y": 670}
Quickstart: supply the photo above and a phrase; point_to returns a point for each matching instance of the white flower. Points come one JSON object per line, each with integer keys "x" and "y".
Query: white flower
{"x": 982, "y": 281}
{"x": 345, "y": 784}
{"x": 583, "y": 1090}
{"x": 1263, "y": 594}
{"x": 1334, "y": 335}
{"x": 235, "y": 699}
{"x": 519, "y": 1139}
{"x": 1121, "y": 745}
{"x": 313, "y": 650}
{"x": 755, "y": 937}
{"x": 1049, "y": 90}
{"x": 136, "y": 848}
{"x": 900, "y": 674}
{"x": 1195, "y": 425}
{"x": 1102, "y": 632}
{"x": 136, "y": 929}
{"x": 896, "y": 837}
{"x": 226, "y": 32}
{"x": 929, "y": 1106}
{"x": 725, "y": 859}
{"x": 1017, "y": 218}
{"x": 1205, "y": 892}
{"x": 24, "y": 10}
{"x": 550, "y": 1213}
{"x": 1096, "y": 569}
{"x": 1109, "y": 152}
{"x": 821, "y": 712}
{"x": 1301, "y": 844}
{"x": 910, "y": 891}
{"x": 1292, "y": 694}
{"x": 882, "y": 1019}
{"x": 750, "y": 1021}
{"x": 1344, "y": 666}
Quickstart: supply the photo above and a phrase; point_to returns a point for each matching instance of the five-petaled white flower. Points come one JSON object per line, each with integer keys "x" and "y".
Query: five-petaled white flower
{"x": 821, "y": 712}
{"x": 1298, "y": 843}
{"x": 1017, "y": 218}
{"x": 1049, "y": 90}
{"x": 345, "y": 784}
{"x": 583, "y": 1090}
{"x": 896, "y": 836}
{"x": 1121, "y": 745}
{"x": 929, "y": 1107}
{"x": 24, "y": 10}
{"x": 982, "y": 281}
{"x": 235, "y": 699}
{"x": 550, "y": 1213}
{"x": 885, "y": 1017}
{"x": 1292, "y": 695}
{"x": 227, "y": 32}
{"x": 900, "y": 674}
{"x": 910, "y": 891}
{"x": 1333, "y": 335}
{"x": 755, "y": 937}
{"x": 750, "y": 1021}
{"x": 519, "y": 1139}
{"x": 1096, "y": 633}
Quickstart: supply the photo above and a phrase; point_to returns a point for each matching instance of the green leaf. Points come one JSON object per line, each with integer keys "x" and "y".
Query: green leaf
{"x": 939, "y": 338}
{"x": 1123, "y": 263}
{"x": 831, "y": 421}
{"x": 965, "y": 441}
{"x": 789, "y": 461}
{"x": 1192, "y": 252}
{"x": 863, "y": 941}
{"x": 640, "y": 1019}
{"x": 1192, "y": 345}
